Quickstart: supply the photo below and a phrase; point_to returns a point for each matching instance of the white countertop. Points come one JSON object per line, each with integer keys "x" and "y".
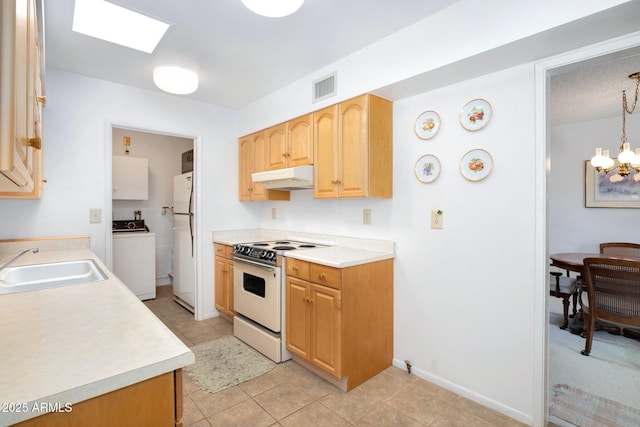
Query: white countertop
{"x": 68, "y": 344}
{"x": 341, "y": 251}
{"x": 338, "y": 256}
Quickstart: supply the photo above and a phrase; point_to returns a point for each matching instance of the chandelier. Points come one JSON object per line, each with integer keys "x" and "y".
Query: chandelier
{"x": 627, "y": 159}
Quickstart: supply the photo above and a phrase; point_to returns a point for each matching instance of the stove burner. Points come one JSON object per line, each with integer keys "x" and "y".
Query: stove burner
{"x": 260, "y": 244}
{"x": 283, "y": 248}
{"x": 307, "y": 246}
{"x": 282, "y": 242}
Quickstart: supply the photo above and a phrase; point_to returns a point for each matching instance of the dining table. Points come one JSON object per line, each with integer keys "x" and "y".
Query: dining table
{"x": 574, "y": 261}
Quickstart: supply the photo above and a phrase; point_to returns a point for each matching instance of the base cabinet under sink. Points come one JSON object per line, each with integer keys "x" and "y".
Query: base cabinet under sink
{"x": 154, "y": 402}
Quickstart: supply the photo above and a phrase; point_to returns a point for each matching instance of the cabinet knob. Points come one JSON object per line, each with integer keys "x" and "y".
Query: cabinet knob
{"x": 35, "y": 142}
{"x": 42, "y": 99}
{"x": 322, "y": 276}
{"x": 294, "y": 268}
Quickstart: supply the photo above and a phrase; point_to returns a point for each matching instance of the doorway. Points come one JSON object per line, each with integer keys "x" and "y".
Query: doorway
{"x": 164, "y": 154}
{"x": 557, "y": 234}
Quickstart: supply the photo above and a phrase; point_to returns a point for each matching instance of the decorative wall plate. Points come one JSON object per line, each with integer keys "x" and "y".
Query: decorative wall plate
{"x": 475, "y": 115}
{"x": 427, "y": 125}
{"x": 427, "y": 168}
{"x": 476, "y": 165}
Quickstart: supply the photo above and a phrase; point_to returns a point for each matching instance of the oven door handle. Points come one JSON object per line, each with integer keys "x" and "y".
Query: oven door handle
{"x": 254, "y": 264}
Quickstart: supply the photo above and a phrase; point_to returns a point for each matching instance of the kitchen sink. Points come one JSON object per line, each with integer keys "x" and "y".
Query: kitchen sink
{"x": 50, "y": 275}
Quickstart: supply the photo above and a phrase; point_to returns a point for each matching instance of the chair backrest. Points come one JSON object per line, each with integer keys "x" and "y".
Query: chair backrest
{"x": 620, "y": 249}
{"x": 613, "y": 288}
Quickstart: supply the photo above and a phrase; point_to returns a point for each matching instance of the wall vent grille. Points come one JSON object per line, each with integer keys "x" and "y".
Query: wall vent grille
{"x": 324, "y": 87}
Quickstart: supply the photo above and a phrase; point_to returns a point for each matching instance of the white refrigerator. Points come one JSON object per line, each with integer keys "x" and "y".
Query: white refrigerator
{"x": 184, "y": 265}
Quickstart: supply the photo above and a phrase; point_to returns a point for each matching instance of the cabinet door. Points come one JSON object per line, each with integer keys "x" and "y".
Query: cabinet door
{"x": 276, "y": 147}
{"x": 224, "y": 286}
{"x": 259, "y": 165}
{"x": 246, "y": 168}
{"x": 17, "y": 161}
{"x": 220, "y": 283}
{"x": 326, "y": 324}
{"x": 297, "y": 317}
{"x": 353, "y": 155}
{"x": 300, "y": 141}
{"x": 325, "y": 133}
{"x": 130, "y": 178}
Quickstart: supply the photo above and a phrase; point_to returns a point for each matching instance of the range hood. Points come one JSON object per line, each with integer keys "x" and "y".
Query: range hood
{"x": 295, "y": 178}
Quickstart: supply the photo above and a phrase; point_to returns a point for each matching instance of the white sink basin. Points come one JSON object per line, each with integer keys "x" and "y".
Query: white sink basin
{"x": 51, "y": 275}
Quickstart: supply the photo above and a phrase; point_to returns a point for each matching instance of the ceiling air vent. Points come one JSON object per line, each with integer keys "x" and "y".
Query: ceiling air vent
{"x": 324, "y": 87}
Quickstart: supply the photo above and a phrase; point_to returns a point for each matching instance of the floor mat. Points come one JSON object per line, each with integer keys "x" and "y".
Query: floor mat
{"x": 226, "y": 362}
{"x": 587, "y": 410}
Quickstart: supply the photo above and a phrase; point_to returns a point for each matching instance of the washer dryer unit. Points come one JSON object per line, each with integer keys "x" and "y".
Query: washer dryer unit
{"x": 134, "y": 258}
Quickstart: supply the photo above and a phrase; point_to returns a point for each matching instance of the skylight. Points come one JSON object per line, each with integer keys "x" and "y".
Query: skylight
{"x": 115, "y": 24}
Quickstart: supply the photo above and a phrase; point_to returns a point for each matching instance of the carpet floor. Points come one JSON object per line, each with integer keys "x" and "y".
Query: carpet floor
{"x": 226, "y": 362}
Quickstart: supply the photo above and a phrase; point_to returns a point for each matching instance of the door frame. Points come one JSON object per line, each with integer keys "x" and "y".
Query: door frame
{"x": 197, "y": 148}
{"x": 543, "y": 71}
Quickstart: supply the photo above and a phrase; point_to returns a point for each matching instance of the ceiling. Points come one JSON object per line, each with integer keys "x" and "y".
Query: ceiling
{"x": 242, "y": 57}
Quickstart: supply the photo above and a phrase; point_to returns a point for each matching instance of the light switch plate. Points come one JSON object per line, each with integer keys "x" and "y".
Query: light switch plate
{"x": 436, "y": 219}
{"x": 95, "y": 216}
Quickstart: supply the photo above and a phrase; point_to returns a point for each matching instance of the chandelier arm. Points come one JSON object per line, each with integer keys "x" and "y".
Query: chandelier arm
{"x": 625, "y": 107}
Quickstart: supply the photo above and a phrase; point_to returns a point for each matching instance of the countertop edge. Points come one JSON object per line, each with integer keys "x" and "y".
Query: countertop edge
{"x": 100, "y": 387}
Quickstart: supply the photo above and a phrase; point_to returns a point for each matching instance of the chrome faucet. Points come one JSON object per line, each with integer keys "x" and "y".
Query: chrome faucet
{"x": 6, "y": 264}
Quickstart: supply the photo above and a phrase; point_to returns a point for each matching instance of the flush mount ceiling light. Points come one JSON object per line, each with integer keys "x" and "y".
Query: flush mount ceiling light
{"x": 273, "y": 8}
{"x": 177, "y": 80}
{"x": 627, "y": 159}
{"x": 115, "y": 24}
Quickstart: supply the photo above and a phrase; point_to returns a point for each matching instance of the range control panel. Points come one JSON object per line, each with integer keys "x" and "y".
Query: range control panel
{"x": 128, "y": 225}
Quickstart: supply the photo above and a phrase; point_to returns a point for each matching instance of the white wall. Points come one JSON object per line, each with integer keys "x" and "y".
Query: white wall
{"x": 75, "y": 150}
{"x": 164, "y": 153}
{"x": 572, "y": 226}
{"x": 461, "y": 317}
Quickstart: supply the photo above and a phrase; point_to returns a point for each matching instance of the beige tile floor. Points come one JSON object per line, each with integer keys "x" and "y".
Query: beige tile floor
{"x": 290, "y": 395}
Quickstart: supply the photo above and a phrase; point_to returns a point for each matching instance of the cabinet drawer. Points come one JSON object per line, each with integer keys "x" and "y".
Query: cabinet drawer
{"x": 323, "y": 275}
{"x": 224, "y": 251}
{"x": 297, "y": 268}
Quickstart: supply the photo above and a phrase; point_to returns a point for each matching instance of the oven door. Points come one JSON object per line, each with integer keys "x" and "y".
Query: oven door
{"x": 257, "y": 293}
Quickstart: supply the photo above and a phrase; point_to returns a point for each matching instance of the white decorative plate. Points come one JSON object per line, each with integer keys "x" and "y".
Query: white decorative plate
{"x": 427, "y": 168}
{"x": 427, "y": 125}
{"x": 475, "y": 115}
{"x": 476, "y": 165}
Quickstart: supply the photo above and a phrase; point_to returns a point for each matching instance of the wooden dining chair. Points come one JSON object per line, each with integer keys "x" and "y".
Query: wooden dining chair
{"x": 564, "y": 287}
{"x": 620, "y": 249}
{"x": 613, "y": 294}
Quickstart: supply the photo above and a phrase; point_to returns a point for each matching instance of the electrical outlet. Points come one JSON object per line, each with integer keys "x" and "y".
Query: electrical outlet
{"x": 95, "y": 216}
{"x": 366, "y": 216}
{"x": 273, "y": 213}
{"x": 436, "y": 219}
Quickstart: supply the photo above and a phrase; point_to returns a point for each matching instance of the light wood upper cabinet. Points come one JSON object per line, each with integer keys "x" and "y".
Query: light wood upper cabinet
{"x": 21, "y": 100}
{"x": 290, "y": 144}
{"x": 354, "y": 148}
{"x": 252, "y": 150}
{"x": 325, "y": 171}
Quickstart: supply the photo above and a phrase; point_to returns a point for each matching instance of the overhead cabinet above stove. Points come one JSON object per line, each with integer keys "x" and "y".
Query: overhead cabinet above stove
{"x": 348, "y": 145}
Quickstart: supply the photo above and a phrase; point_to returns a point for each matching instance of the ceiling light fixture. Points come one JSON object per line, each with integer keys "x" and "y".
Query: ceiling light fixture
{"x": 273, "y": 8}
{"x": 115, "y": 24}
{"x": 176, "y": 80}
{"x": 627, "y": 159}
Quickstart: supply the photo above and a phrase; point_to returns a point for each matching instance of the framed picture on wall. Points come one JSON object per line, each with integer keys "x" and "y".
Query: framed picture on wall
{"x": 610, "y": 190}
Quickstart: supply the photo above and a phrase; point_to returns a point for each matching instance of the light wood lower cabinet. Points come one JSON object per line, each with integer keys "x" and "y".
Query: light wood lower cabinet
{"x": 341, "y": 320}
{"x": 224, "y": 280}
{"x": 156, "y": 402}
